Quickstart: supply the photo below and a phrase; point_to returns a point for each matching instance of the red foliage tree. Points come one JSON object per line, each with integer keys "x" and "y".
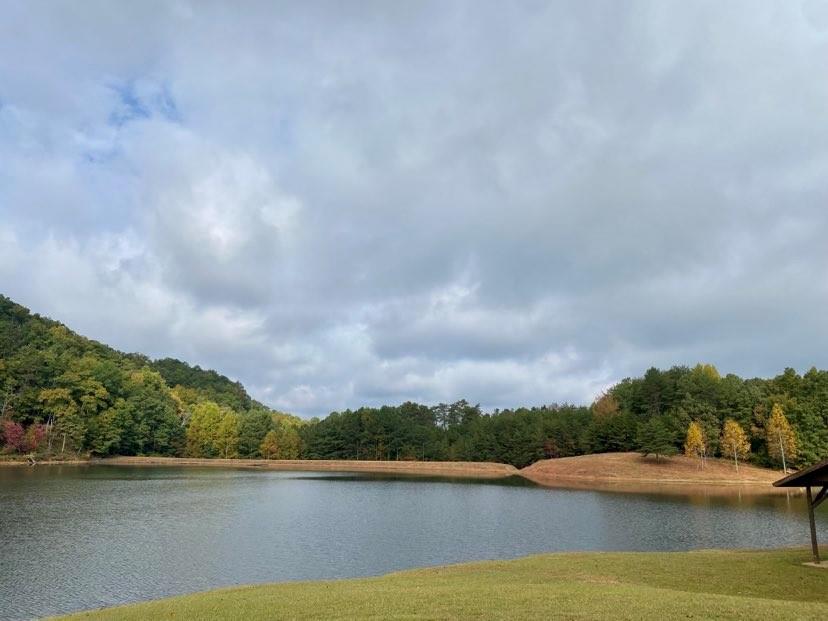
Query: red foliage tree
{"x": 13, "y": 435}
{"x": 35, "y": 435}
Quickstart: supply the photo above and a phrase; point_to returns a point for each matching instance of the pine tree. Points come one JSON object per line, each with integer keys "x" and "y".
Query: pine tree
{"x": 780, "y": 437}
{"x": 734, "y": 441}
{"x": 694, "y": 445}
{"x": 655, "y": 439}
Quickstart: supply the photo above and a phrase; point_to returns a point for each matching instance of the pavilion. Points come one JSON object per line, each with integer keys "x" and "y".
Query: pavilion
{"x": 814, "y": 477}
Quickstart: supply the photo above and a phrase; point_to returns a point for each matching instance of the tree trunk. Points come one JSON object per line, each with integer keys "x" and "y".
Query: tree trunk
{"x": 782, "y": 450}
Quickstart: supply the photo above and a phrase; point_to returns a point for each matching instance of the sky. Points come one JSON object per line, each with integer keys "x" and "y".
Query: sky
{"x": 357, "y": 203}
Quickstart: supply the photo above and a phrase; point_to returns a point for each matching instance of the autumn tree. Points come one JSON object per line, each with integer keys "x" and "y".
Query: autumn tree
{"x": 13, "y": 435}
{"x": 734, "y": 441}
{"x": 282, "y": 442}
{"x": 780, "y": 437}
{"x": 269, "y": 448}
{"x": 605, "y": 406}
{"x": 694, "y": 445}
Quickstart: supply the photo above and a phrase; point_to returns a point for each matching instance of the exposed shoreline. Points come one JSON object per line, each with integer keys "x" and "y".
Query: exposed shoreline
{"x": 614, "y": 472}
{"x": 487, "y": 470}
{"x": 629, "y": 472}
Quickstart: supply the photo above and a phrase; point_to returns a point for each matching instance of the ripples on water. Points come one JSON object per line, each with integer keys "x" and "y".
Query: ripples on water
{"x": 90, "y": 536}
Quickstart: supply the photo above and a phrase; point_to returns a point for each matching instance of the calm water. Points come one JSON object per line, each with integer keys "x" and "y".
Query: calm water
{"x": 83, "y": 537}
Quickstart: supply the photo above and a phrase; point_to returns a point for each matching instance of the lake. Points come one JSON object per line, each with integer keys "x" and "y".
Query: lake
{"x": 76, "y": 537}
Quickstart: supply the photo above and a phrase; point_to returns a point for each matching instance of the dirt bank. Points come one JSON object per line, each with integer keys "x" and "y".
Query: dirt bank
{"x": 630, "y": 472}
{"x": 436, "y": 468}
{"x": 22, "y": 461}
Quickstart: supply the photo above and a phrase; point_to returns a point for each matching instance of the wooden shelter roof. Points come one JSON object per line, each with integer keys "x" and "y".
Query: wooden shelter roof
{"x": 812, "y": 476}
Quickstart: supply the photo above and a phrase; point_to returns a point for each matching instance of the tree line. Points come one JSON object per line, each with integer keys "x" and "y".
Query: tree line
{"x": 61, "y": 393}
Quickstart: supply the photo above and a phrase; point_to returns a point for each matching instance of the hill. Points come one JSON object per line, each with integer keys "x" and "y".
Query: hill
{"x": 64, "y": 394}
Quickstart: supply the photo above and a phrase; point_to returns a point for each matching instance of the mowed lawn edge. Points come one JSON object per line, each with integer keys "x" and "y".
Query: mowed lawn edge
{"x": 709, "y": 584}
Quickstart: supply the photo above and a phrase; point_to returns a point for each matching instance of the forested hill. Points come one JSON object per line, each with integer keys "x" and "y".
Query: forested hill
{"x": 63, "y": 394}
{"x": 209, "y": 383}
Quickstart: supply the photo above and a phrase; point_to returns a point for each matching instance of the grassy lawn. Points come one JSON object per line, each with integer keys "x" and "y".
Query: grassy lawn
{"x": 687, "y": 585}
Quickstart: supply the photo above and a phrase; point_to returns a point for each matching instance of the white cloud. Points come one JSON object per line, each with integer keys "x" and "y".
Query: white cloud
{"x": 347, "y": 204}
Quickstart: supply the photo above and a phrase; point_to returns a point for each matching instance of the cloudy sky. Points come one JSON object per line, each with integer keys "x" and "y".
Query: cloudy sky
{"x": 347, "y": 203}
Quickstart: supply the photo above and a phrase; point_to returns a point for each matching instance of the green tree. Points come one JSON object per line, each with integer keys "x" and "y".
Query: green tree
{"x": 202, "y": 430}
{"x": 105, "y": 429}
{"x": 227, "y": 435}
{"x": 655, "y": 439}
{"x": 253, "y": 427}
{"x": 155, "y": 424}
{"x": 63, "y": 413}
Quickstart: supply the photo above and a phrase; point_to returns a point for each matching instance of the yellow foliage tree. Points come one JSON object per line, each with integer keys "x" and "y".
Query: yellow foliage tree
{"x": 707, "y": 370}
{"x": 694, "y": 445}
{"x": 734, "y": 441}
{"x": 605, "y": 406}
{"x": 780, "y": 437}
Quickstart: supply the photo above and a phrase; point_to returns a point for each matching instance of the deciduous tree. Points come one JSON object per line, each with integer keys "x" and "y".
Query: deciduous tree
{"x": 694, "y": 445}
{"x": 269, "y": 448}
{"x": 13, "y": 436}
{"x": 780, "y": 437}
{"x": 734, "y": 441}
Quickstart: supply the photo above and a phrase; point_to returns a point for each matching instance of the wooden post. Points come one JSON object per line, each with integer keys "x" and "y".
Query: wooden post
{"x": 814, "y": 545}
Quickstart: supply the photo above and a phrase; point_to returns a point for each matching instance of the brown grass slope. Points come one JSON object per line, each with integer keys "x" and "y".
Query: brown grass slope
{"x": 633, "y": 472}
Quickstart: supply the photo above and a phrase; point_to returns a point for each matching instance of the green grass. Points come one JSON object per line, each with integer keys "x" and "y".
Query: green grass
{"x": 712, "y": 584}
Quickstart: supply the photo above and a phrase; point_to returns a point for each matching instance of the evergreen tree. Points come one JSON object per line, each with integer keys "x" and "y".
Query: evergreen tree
{"x": 655, "y": 439}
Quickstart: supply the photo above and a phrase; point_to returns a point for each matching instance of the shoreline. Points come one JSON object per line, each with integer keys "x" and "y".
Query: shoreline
{"x": 672, "y": 487}
{"x": 486, "y": 470}
{"x": 607, "y": 472}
